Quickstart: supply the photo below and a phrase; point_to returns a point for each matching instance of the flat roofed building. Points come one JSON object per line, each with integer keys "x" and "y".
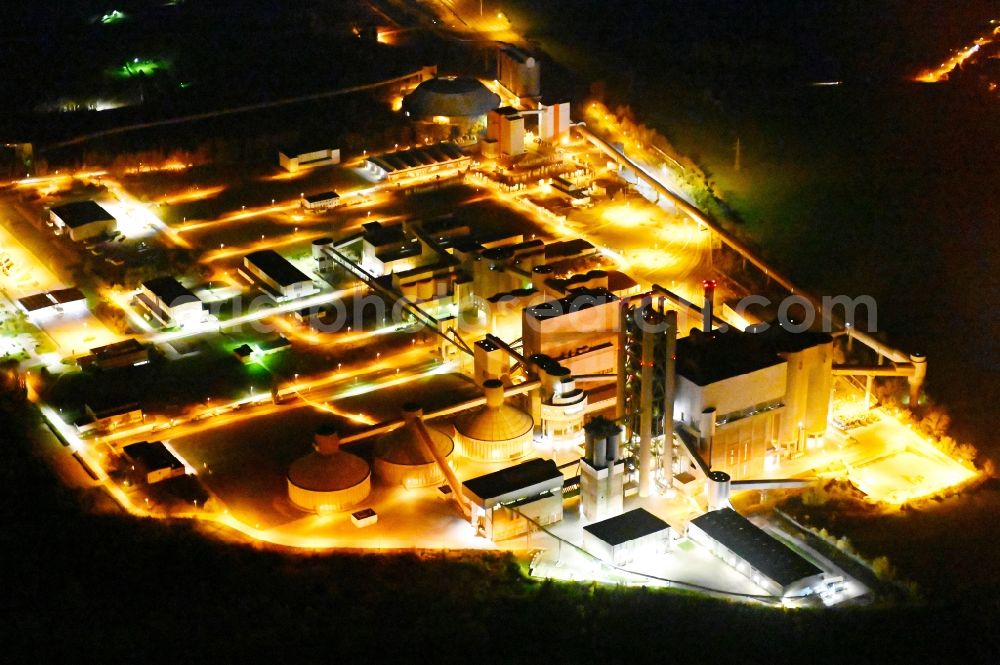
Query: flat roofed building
{"x": 107, "y": 418}
{"x": 82, "y": 220}
{"x": 388, "y": 248}
{"x": 170, "y": 302}
{"x": 59, "y": 300}
{"x": 277, "y": 274}
{"x": 508, "y": 502}
{"x": 321, "y": 201}
{"x": 120, "y": 354}
{"x": 152, "y": 462}
{"x": 809, "y": 381}
{"x": 295, "y": 159}
{"x": 505, "y": 125}
{"x": 422, "y": 161}
{"x": 768, "y": 562}
{"x": 580, "y": 331}
{"x": 730, "y": 393}
{"x": 553, "y": 121}
{"x": 623, "y": 538}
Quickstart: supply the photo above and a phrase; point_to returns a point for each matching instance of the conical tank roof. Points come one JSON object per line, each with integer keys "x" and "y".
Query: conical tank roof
{"x": 496, "y": 421}
{"x": 402, "y": 446}
{"x": 320, "y": 472}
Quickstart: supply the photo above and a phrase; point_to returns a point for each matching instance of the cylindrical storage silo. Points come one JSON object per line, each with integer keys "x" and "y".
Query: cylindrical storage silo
{"x": 401, "y": 458}
{"x": 328, "y": 479}
{"x": 496, "y": 431}
{"x": 717, "y": 490}
{"x": 320, "y": 244}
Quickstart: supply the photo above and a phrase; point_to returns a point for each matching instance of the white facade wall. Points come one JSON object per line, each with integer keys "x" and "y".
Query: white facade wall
{"x": 330, "y": 501}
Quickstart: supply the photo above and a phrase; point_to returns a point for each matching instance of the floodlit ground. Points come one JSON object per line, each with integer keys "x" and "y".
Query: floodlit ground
{"x": 24, "y": 275}
{"x": 916, "y": 470}
{"x": 76, "y": 335}
{"x": 652, "y": 244}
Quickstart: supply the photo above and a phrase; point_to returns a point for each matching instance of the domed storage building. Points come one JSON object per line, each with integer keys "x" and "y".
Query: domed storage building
{"x": 402, "y": 459}
{"x": 496, "y": 431}
{"x": 458, "y": 104}
{"x": 328, "y": 479}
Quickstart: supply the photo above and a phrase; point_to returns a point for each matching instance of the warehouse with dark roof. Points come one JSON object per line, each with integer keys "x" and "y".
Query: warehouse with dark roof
{"x": 771, "y": 564}
{"x": 82, "y": 220}
{"x": 276, "y": 274}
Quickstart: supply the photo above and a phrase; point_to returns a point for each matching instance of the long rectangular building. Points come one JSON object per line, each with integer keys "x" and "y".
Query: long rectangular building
{"x": 768, "y": 562}
{"x": 277, "y": 274}
{"x": 505, "y": 500}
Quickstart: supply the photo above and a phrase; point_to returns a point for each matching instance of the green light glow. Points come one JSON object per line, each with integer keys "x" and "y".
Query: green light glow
{"x": 114, "y": 16}
{"x": 140, "y": 66}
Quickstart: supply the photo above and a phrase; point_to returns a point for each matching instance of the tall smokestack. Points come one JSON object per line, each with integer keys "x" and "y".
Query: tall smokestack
{"x": 669, "y": 392}
{"x": 706, "y": 310}
{"x": 646, "y": 405}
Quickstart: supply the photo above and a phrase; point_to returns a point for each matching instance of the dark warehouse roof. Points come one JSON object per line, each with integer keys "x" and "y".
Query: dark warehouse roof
{"x": 707, "y": 358}
{"x": 771, "y": 557}
{"x": 277, "y": 267}
{"x": 81, "y": 213}
{"x": 627, "y": 526}
{"x": 513, "y": 478}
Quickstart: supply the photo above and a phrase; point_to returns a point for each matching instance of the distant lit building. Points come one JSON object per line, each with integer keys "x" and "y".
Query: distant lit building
{"x": 59, "y": 302}
{"x": 296, "y": 159}
{"x": 170, "y": 302}
{"x": 128, "y": 352}
{"x": 505, "y": 125}
{"x": 519, "y": 72}
{"x": 602, "y": 471}
{"x": 82, "y": 220}
{"x": 389, "y": 248}
{"x": 580, "y": 331}
{"x": 424, "y": 161}
{"x": 321, "y": 201}
{"x": 277, "y": 275}
{"x": 730, "y": 397}
{"x": 152, "y": 462}
{"x": 553, "y": 121}
{"x": 107, "y": 418}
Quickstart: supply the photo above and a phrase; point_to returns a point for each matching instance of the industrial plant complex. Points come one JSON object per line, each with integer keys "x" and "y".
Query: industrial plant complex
{"x": 518, "y": 331}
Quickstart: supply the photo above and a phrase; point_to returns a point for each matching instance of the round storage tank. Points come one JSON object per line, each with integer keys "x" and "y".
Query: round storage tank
{"x": 318, "y": 245}
{"x": 452, "y": 97}
{"x": 496, "y": 431}
{"x": 402, "y": 459}
{"x": 328, "y": 479}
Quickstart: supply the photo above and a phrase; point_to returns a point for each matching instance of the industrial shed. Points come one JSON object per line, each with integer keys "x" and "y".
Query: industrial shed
{"x": 507, "y": 502}
{"x": 623, "y": 538}
{"x": 768, "y": 562}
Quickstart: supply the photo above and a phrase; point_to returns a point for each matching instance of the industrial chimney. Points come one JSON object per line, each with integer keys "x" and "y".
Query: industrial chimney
{"x": 706, "y": 310}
